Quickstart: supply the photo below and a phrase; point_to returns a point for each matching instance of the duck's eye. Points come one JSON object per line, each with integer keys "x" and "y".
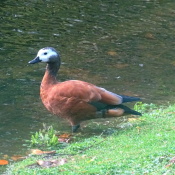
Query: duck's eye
{"x": 45, "y": 53}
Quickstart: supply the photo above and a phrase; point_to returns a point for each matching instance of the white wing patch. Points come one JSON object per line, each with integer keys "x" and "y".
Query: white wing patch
{"x": 115, "y": 95}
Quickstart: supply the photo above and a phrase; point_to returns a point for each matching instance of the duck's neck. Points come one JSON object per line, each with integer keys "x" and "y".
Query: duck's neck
{"x": 50, "y": 74}
{"x": 48, "y": 80}
{"x": 53, "y": 68}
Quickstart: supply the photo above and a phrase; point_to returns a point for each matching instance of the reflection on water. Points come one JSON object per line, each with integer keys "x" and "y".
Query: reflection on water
{"x": 126, "y": 47}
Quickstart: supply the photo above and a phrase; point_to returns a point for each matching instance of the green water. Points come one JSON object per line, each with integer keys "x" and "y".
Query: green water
{"x": 125, "y": 47}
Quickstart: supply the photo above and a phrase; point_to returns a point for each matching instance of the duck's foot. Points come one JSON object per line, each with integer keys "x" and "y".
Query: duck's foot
{"x": 75, "y": 127}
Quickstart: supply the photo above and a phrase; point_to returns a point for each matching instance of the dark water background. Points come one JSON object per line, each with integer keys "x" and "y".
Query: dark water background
{"x": 124, "y": 46}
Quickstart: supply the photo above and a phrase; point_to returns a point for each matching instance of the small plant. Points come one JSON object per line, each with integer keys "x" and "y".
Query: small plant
{"x": 139, "y": 106}
{"x": 45, "y": 137}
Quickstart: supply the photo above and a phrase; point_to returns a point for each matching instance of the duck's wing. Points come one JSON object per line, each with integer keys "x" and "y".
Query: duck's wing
{"x": 111, "y": 100}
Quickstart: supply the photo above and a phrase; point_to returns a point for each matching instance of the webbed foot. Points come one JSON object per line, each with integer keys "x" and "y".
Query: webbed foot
{"x": 75, "y": 127}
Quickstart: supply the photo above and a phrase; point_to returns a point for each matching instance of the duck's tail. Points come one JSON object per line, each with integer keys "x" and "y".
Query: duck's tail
{"x": 127, "y": 110}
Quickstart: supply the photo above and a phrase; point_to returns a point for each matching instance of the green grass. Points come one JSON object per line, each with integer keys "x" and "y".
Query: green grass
{"x": 143, "y": 148}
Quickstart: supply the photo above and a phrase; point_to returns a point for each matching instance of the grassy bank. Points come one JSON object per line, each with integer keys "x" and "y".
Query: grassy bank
{"x": 143, "y": 146}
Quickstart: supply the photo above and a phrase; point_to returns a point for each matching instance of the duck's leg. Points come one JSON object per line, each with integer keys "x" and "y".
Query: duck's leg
{"x": 75, "y": 127}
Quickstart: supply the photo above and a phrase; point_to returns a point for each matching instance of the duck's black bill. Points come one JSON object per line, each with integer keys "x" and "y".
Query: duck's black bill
{"x": 35, "y": 60}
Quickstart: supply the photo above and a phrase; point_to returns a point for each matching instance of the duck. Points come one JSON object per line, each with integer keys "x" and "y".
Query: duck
{"x": 76, "y": 100}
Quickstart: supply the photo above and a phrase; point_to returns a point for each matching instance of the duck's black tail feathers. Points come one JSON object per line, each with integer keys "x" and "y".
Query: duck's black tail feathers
{"x": 127, "y": 110}
{"x": 129, "y": 99}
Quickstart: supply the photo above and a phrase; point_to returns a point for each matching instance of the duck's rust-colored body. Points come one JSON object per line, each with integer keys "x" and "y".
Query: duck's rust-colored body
{"x": 76, "y": 100}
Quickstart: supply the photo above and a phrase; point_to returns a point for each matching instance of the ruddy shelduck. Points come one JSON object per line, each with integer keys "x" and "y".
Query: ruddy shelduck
{"x": 77, "y": 100}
